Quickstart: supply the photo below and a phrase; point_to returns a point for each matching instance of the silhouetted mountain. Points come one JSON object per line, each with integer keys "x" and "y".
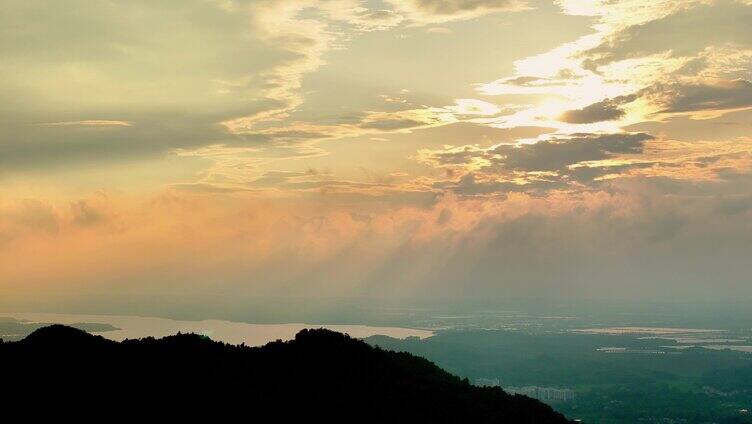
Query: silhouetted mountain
{"x": 12, "y": 329}
{"x": 318, "y": 375}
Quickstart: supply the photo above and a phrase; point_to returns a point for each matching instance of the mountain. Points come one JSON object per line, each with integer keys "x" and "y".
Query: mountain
{"x": 319, "y": 375}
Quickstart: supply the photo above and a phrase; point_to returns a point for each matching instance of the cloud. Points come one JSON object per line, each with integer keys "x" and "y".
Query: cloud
{"x": 89, "y": 123}
{"x": 700, "y": 73}
{"x": 354, "y": 125}
{"x": 439, "y": 30}
{"x": 537, "y": 166}
{"x": 646, "y": 237}
{"x": 713, "y": 98}
{"x": 474, "y": 107}
{"x": 643, "y": 62}
{"x": 240, "y": 63}
{"x": 89, "y": 212}
{"x": 28, "y": 216}
{"x": 297, "y": 139}
{"x": 558, "y": 153}
{"x": 735, "y": 205}
{"x": 221, "y": 86}
{"x": 483, "y": 184}
{"x": 380, "y": 19}
{"x": 588, "y": 163}
{"x": 722, "y": 21}
{"x": 313, "y": 181}
{"x": 120, "y": 59}
{"x": 605, "y": 110}
{"x": 551, "y": 154}
{"x": 440, "y": 11}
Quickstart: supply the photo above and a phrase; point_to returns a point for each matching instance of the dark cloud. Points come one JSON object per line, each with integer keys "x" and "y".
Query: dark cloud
{"x": 458, "y": 156}
{"x": 606, "y": 110}
{"x": 721, "y": 95}
{"x": 450, "y": 7}
{"x": 380, "y": 19}
{"x": 529, "y": 81}
{"x": 86, "y": 214}
{"x": 658, "y": 248}
{"x": 76, "y": 62}
{"x": 27, "y": 145}
{"x": 549, "y": 164}
{"x": 523, "y": 81}
{"x": 435, "y": 11}
{"x": 735, "y": 205}
{"x": 558, "y": 153}
{"x": 683, "y": 33}
{"x": 444, "y": 217}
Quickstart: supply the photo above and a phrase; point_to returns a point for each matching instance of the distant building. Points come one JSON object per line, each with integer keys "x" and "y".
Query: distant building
{"x": 612, "y": 349}
{"x": 543, "y": 394}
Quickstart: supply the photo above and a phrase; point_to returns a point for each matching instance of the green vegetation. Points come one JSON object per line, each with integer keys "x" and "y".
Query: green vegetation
{"x": 647, "y": 382}
{"x": 656, "y": 402}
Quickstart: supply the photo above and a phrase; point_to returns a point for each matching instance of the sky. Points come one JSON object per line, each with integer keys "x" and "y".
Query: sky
{"x": 170, "y": 152}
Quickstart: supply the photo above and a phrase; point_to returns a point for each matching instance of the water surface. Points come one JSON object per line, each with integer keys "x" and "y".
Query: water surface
{"x": 132, "y": 327}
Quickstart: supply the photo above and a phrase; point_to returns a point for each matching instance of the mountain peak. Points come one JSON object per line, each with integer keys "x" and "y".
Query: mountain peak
{"x": 60, "y": 334}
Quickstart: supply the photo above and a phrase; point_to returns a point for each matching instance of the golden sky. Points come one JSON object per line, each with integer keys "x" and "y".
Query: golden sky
{"x": 401, "y": 149}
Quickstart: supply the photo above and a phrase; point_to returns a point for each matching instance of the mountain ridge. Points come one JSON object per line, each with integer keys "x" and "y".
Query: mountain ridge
{"x": 318, "y": 374}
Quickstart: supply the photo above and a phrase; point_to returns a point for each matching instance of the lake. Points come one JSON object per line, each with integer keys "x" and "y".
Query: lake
{"x": 133, "y": 327}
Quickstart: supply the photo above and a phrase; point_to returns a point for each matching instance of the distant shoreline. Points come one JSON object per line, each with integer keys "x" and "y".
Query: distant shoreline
{"x": 134, "y": 327}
